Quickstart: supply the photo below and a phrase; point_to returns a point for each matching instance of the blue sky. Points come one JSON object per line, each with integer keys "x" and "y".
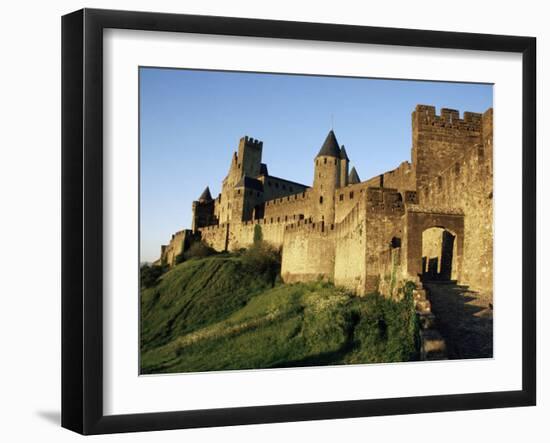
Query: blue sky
{"x": 191, "y": 122}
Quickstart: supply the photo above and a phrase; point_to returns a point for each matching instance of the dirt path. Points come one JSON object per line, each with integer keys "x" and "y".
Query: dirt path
{"x": 464, "y": 318}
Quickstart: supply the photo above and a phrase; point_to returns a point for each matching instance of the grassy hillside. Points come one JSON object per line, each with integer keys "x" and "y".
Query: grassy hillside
{"x": 213, "y": 314}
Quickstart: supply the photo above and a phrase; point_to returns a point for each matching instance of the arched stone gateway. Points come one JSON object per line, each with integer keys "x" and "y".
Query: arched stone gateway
{"x": 433, "y": 243}
{"x": 438, "y": 252}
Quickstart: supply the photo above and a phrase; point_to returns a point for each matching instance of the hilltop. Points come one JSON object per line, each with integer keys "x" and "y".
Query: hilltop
{"x": 230, "y": 311}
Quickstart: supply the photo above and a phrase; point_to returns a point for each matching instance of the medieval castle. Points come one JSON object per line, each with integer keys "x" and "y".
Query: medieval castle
{"x": 431, "y": 217}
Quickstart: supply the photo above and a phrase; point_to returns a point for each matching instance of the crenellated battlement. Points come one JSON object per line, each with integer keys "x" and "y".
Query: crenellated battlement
{"x": 448, "y": 118}
{"x": 251, "y": 142}
{"x": 301, "y": 196}
{"x": 307, "y": 225}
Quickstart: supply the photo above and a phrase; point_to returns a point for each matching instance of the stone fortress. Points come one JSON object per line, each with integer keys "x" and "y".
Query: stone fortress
{"x": 428, "y": 218}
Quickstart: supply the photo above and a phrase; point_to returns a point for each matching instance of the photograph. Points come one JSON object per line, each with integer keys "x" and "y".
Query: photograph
{"x": 304, "y": 220}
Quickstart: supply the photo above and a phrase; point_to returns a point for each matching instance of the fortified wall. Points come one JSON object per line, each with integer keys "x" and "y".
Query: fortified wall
{"x": 467, "y": 183}
{"x": 428, "y": 218}
{"x": 179, "y": 243}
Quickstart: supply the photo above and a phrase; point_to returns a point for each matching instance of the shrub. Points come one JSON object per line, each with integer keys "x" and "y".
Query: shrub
{"x": 198, "y": 249}
{"x": 263, "y": 258}
{"x": 258, "y": 236}
{"x": 149, "y": 275}
{"x": 387, "y": 329}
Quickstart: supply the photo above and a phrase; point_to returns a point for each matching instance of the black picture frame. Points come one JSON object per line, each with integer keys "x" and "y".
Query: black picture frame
{"x": 82, "y": 218}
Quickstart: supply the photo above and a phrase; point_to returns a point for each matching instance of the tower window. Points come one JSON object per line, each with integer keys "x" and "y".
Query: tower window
{"x": 325, "y": 160}
{"x": 341, "y": 197}
{"x": 351, "y": 195}
{"x": 321, "y": 200}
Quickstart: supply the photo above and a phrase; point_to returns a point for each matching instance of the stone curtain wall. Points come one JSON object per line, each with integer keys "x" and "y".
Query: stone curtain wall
{"x": 346, "y": 198}
{"x": 350, "y": 250}
{"x": 308, "y": 252}
{"x": 234, "y": 236}
{"x": 177, "y": 245}
{"x": 401, "y": 178}
{"x": 215, "y": 236}
{"x": 241, "y": 235}
{"x": 467, "y": 183}
{"x": 289, "y": 208}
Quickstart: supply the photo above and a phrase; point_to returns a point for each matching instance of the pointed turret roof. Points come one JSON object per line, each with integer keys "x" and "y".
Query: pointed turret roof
{"x": 353, "y": 177}
{"x": 330, "y": 147}
{"x": 206, "y": 196}
{"x": 343, "y": 153}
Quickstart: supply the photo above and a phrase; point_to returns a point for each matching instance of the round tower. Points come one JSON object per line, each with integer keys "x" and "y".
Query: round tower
{"x": 326, "y": 179}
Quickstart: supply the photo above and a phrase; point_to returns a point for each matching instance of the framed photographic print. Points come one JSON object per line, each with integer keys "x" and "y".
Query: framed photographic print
{"x": 269, "y": 221}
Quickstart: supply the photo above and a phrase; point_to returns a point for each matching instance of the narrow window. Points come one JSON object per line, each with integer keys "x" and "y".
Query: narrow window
{"x": 325, "y": 160}
{"x": 351, "y": 195}
{"x": 341, "y": 197}
{"x": 321, "y": 199}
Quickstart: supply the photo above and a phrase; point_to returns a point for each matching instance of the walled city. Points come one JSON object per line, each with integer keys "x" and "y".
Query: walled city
{"x": 429, "y": 218}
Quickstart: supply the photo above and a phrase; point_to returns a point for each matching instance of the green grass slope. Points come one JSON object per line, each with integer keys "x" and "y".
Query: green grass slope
{"x": 214, "y": 314}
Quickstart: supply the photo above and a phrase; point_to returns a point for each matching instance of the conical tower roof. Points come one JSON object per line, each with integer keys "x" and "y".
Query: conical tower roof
{"x": 206, "y": 196}
{"x": 353, "y": 177}
{"x": 330, "y": 147}
{"x": 343, "y": 153}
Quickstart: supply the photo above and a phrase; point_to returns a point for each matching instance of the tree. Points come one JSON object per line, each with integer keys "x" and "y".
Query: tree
{"x": 258, "y": 236}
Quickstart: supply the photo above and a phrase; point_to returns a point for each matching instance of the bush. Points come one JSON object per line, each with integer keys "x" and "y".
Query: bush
{"x": 263, "y": 258}
{"x": 198, "y": 249}
{"x": 149, "y": 275}
{"x": 387, "y": 330}
{"x": 258, "y": 236}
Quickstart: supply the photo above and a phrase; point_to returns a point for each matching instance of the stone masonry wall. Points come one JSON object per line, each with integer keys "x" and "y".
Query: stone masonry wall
{"x": 401, "y": 178}
{"x": 308, "y": 252}
{"x": 288, "y": 208}
{"x": 177, "y": 245}
{"x": 468, "y": 184}
{"x": 350, "y": 250}
{"x": 346, "y": 199}
{"x": 437, "y": 140}
{"x": 241, "y": 235}
{"x": 215, "y": 236}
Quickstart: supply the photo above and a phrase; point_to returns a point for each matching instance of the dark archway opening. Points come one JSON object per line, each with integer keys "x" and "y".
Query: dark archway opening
{"x": 438, "y": 255}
